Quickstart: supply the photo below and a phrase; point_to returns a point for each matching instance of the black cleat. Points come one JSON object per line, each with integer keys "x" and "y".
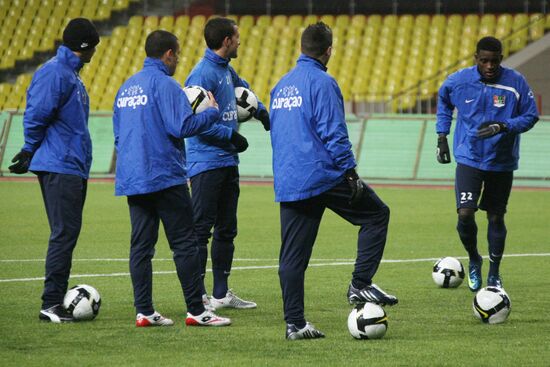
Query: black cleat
{"x": 307, "y": 332}
{"x": 371, "y": 293}
{"x": 56, "y": 314}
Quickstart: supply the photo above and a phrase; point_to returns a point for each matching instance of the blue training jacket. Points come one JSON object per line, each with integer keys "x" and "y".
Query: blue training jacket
{"x": 151, "y": 117}
{"x": 311, "y": 147}
{"x": 509, "y": 100}
{"x": 56, "y": 118}
{"x": 211, "y": 149}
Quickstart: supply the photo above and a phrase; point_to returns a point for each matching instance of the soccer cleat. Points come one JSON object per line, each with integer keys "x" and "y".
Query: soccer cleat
{"x": 207, "y": 304}
{"x": 474, "y": 276}
{"x": 371, "y": 293}
{"x": 207, "y": 318}
{"x": 231, "y": 301}
{"x": 494, "y": 281}
{"x": 307, "y": 332}
{"x": 56, "y": 314}
{"x": 156, "y": 319}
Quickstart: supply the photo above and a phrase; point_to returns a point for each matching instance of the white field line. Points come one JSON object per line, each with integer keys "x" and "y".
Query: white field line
{"x": 334, "y": 263}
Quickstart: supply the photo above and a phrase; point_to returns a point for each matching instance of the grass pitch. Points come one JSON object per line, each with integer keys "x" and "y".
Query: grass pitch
{"x": 429, "y": 326}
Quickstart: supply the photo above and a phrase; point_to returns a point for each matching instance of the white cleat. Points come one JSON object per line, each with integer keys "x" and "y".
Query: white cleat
{"x": 207, "y": 318}
{"x": 156, "y": 319}
{"x": 231, "y": 301}
{"x": 207, "y": 304}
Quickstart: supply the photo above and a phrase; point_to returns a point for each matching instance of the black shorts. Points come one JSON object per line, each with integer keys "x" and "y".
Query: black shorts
{"x": 493, "y": 187}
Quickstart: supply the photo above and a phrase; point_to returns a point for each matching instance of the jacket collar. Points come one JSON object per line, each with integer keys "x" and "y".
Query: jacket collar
{"x": 153, "y": 63}
{"x": 67, "y": 57}
{"x": 310, "y": 61}
{"x": 480, "y": 77}
{"x": 215, "y": 58}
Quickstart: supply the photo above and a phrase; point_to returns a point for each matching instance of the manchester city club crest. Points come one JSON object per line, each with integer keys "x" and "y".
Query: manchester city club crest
{"x": 499, "y": 101}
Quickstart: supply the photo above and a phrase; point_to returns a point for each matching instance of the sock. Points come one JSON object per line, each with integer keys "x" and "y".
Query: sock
{"x": 300, "y": 325}
{"x": 467, "y": 231}
{"x": 222, "y": 258}
{"x": 496, "y": 236}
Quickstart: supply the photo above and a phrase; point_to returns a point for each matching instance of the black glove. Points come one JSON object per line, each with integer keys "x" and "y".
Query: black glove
{"x": 239, "y": 141}
{"x": 357, "y": 186}
{"x": 491, "y": 128}
{"x": 22, "y": 162}
{"x": 443, "y": 153}
{"x": 263, "y": 116}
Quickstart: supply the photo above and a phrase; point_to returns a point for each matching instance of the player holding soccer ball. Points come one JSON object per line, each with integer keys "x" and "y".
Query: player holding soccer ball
{"x": 212, "y": 160}
{"x": 151, "y": 117}
{"x": 314, "y": 169}
{"x": 495, "y": 105}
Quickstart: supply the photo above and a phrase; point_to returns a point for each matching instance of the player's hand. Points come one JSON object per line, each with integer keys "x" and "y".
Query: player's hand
{"x": 22, "y": 161}
{"x": 239, "y": 142}
{"x": 491, "y": 128}
{"x": 263, "y": 116}
{"x": 443, "y": 153}
{"x": 212, "y": 101}
{"x": 357, "y": 186}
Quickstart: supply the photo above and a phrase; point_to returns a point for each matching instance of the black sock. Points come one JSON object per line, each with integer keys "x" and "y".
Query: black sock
{"x": 496, "y": 236}
{"x": 467, "y": 231}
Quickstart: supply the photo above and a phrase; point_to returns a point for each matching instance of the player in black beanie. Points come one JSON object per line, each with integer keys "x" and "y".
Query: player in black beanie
{"x": 81, "y": 36}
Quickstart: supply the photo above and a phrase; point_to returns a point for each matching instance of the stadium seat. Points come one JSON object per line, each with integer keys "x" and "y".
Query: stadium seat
{"x": 536, "y": 29}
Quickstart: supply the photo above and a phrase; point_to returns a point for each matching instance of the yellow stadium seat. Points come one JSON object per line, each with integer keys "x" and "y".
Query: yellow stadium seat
{"x": 328, "y": 19}
{"x": 487, "y": 25}
{"x": 198, "y": 21}
{"x": 536, "y": 29}
{"x": 295, "y": 21}
{"x": 310, "y": 19}
{"x": 136, "y": 22}
{"x": 246, "y": 21}
{"x": 279, "y": 21}
{"x": 167, "y": 23}
{"x": 263, "y": 21}
{"x": 520, "y": 32}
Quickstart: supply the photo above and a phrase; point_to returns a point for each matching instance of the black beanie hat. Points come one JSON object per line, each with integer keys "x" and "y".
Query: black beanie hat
{"x": 80, "y": 35}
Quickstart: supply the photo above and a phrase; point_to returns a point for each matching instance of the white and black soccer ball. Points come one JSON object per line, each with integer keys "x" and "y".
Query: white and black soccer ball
{"x": 83, "y": 301}
{"x": 367, "y": 321}
{"x": 448, "y": 272}
{"x": 247, "y": 104}
{"x": 492, "y": 305}
{"x": 198, "y": 98}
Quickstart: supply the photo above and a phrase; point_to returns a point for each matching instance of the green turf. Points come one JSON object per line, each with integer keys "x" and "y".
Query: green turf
{"x": 429, "y": 327}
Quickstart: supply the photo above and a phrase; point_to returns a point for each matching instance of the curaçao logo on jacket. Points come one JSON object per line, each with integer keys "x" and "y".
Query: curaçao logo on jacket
{"x": 287, "y": 98}
{"x": 132, "y": 97}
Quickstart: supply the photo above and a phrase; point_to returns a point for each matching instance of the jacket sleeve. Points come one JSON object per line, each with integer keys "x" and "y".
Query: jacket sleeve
{"x": 43, "y": 99}
{"x": 445, "y": 108}
{"x": 216, "y": 132}
{"x": 177, "y": 114}
{"x": 527, "y": 114}
{"x": 238, "y": 82}
{"x": 328, "y": 111}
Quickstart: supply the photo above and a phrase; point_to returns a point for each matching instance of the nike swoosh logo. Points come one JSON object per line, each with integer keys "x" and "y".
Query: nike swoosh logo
{"x": 469, "y": 100}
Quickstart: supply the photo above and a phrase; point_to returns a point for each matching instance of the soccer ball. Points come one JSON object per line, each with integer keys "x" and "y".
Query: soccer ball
{"x": 448, "y": 272}
{"x": 367, "y": 321}
{"x": 83, "y": 301}
{"x": 198, "y": 98}
{"x": 247, "y": 104}
{"x": 492, "y": 305}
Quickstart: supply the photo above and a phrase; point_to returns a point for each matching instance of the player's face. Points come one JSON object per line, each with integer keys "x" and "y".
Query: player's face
{"x": 86, "y": 56}
{"x": 488, "y": 64}
{"x": 233, "y": 44}
{"x": 173, "y": 60}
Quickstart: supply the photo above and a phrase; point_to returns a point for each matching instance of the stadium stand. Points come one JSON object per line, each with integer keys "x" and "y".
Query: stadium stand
{"x": 377, "y": 58}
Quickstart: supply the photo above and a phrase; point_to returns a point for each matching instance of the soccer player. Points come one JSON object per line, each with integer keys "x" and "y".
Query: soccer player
{"x": 212, "y": 160}
{"x": 58, "y": 149}
{"x": 151, "y": 117}
{"x": 494, "y": 105}
{"x": 314, "y": 169}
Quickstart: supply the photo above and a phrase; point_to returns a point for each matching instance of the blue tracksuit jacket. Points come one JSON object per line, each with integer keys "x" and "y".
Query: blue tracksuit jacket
{"x": 311, "y": 147}
{"x": 211, "y": 149}
{"x": 56, "y": 118}
{"x": 509, "y": 100}
{"x": 151, "y": 117}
